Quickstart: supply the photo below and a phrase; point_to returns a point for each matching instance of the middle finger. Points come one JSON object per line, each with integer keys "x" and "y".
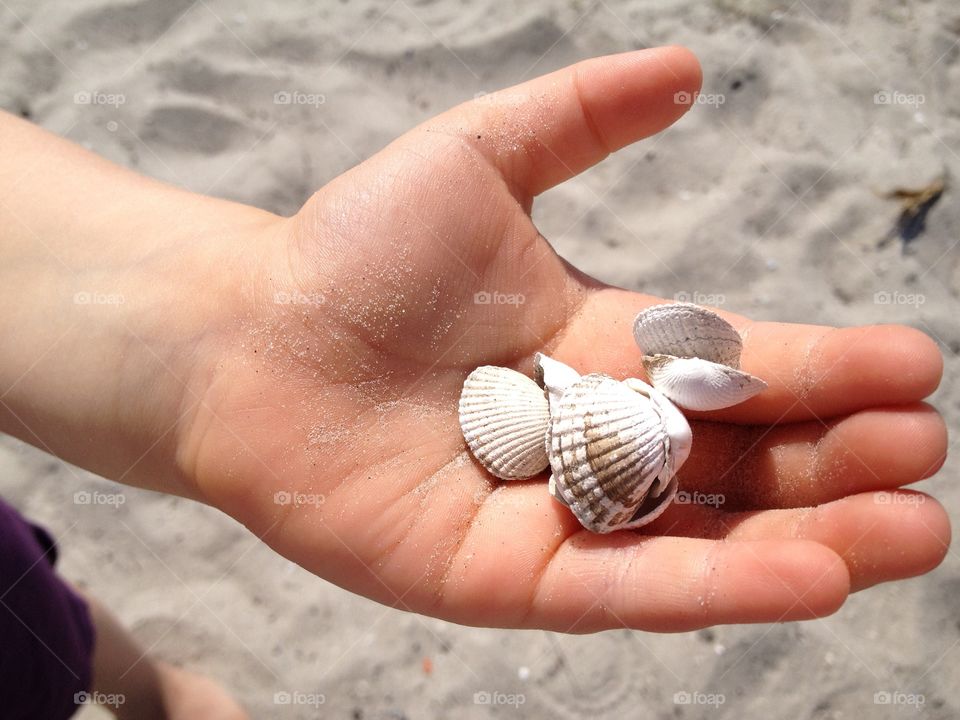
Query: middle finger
{"x": 810, "y": 463}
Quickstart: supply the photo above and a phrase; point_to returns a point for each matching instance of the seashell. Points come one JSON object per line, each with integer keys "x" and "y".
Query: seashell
{"x": 553, "y": 376}
{"x": 687, "y": 330}
{"x": 700, "y": 384}
{"x": 504, "y": 416}
{"x": 692, "y": 356}
{"x": 678, "y": 429}
{"x": 613, "y": 453}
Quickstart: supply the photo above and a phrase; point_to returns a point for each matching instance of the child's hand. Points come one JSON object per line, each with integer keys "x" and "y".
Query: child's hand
{"x": 421, "y": 264}
{"x": 322, "y": 397}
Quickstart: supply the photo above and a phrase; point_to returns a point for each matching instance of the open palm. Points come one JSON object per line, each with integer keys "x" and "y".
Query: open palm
{"x": 339, "y": 392}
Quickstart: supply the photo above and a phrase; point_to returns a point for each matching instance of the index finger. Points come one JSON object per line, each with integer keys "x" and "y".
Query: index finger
{"x": 812, "y": 371}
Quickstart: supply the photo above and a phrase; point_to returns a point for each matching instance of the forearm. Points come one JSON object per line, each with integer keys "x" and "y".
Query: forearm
{"x": 107, "y": 280}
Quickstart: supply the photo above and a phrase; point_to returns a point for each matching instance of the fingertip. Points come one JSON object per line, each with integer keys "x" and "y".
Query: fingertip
{"x": 888, "y": 363}
{"x": 786, "y": 580}
{"x": 921, "y": 358}
{"x": 906, "y": 356}
{"x": 923, "y": 529}
{"x": 675, "y": 61}
{"x": 686, "y": 65}
{"x": 884, "y": 536}
{"x": 934, "y": 518}
{"x": 883, "y": 448}
{"x": 687, "y": 77}
{"x": 636, "y": 94}
{"x": 929, "y": 430}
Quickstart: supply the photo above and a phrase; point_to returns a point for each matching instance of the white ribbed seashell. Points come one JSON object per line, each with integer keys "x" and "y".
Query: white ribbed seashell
{"x": 692, "y": 356}
{"x": 553, "y": 376}
{"x": 679, "y": 434}
{"x": 700, "y": 384}
{"x": 613, "y": 455}
{"x": 687, "y": 330}
{"x": 504, "y": 416}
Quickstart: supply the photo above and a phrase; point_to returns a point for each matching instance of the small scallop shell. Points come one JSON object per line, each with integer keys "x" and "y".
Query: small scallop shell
{"x": 697, "y": 384}
{"x": 692, "y": 356}
{"x": 504, "y": 416}
{"x": 687, "y": 330}
{"x": 608, "y": 447}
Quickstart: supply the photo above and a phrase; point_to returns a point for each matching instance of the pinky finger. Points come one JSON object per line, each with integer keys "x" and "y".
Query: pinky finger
{"x": 671, "y": 584}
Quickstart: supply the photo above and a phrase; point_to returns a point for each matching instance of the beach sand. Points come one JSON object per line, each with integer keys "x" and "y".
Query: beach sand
{"x": 767, "y": 199}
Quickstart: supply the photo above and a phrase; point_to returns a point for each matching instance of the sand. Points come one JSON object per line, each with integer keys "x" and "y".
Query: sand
{"x": 766, "y": 199}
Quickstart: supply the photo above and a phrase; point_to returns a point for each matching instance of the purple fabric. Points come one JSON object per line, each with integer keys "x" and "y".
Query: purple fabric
{"x": 46, "y": 636}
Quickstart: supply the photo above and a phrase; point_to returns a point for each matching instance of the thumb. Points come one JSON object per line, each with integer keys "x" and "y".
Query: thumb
{"x": 549, "y": 129}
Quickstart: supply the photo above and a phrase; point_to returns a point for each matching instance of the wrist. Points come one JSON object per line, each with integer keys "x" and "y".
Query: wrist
{"x": 115, "y": 334}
